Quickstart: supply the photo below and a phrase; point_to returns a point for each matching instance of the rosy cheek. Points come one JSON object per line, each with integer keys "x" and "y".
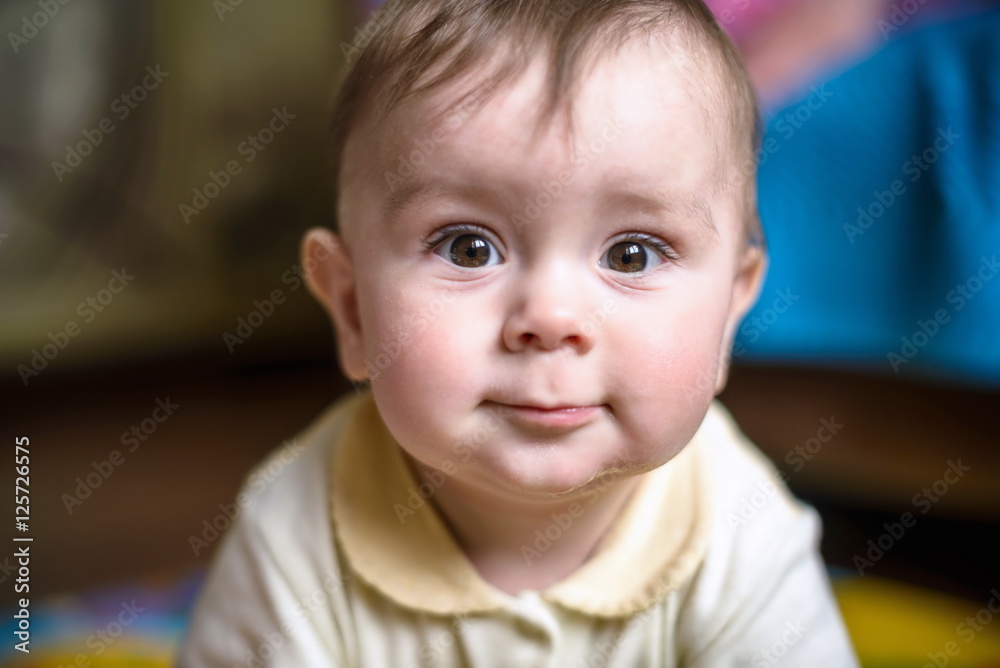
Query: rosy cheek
{"x": 423, "y": 348}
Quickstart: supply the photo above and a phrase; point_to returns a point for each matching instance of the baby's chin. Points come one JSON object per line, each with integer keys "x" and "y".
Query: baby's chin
{"x": 547, "y": 473}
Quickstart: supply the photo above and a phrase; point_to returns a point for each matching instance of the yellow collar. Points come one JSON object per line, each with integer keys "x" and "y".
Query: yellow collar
{"x": 411, "y": 558}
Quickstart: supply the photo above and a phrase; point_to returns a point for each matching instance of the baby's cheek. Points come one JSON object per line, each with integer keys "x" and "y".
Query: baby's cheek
{"x": 428, "y": 355}
{"x": 670, "y": 391}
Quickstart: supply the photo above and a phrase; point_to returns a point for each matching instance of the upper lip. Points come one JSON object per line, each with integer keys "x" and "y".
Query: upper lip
{"x": 538, "y": 405}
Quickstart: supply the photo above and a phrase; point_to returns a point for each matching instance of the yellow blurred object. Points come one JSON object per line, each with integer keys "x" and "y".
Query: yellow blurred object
{"x": 895, "y": 625}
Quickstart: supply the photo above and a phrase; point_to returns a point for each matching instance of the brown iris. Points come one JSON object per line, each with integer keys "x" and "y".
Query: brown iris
{"x": 627, "y": 256}
{"x": 470, "y": 250}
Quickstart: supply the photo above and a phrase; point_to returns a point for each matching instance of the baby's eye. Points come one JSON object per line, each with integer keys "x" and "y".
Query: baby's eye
{"x": 470, "y": 251}
{"x": 631, "y": 256}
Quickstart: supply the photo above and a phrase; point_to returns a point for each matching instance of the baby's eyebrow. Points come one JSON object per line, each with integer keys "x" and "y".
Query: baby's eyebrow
{"x": 414, "y": 191}
{"x": 677, "y": 205}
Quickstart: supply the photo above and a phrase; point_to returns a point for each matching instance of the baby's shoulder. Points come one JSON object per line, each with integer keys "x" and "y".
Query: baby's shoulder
{"x": 749, "y": 495}
{"x": 288, "y": 490}
{"x": 735, "y": 464}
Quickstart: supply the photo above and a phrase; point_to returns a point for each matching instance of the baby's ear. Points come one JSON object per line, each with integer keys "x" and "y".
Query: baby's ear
{"x": 747, "y": 284}
{"x": 329, "y": 275}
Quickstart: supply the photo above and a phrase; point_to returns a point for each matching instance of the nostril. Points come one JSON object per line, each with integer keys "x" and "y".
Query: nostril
{"x": 531, "y": 339}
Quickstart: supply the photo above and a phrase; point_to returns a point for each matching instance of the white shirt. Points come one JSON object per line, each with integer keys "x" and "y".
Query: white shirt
{"x": 337, "y": 561}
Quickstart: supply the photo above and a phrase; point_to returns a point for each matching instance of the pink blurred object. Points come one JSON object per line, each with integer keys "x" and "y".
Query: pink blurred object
{"x": 789, "y": 44}
{"x": 741, "y": 18}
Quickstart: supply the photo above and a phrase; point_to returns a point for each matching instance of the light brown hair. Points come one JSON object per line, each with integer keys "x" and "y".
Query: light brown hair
{"x": 411, "y": 47}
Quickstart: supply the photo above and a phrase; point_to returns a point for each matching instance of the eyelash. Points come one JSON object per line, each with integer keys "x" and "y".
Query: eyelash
{"x": 440, "y": 236}
{"x": 665, "y": 250}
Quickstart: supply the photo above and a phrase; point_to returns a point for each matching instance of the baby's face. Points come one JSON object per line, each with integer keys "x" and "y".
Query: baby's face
{"x": 527, "y": 354}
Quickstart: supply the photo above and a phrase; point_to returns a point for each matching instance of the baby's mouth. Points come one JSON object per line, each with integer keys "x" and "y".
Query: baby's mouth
{"x": 561, "y": 417}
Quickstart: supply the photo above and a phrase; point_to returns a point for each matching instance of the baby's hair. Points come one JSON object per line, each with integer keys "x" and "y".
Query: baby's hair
{"x": 411, "y": 47}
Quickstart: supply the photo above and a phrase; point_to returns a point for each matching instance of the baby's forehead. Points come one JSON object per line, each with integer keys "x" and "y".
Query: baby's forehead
{"x": 630, "y": 83}
{"x": 639, "y": 143}
{"x": 559, "y": 90}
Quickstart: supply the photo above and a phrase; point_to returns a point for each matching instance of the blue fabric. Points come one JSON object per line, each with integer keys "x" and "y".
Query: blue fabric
{"x": 858, "y": 270}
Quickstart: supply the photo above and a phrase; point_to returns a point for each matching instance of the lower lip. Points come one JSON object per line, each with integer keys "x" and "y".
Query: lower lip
{"x": 554, "y": 418}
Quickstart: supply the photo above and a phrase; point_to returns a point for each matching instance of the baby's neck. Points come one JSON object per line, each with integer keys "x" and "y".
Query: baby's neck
{"x": 531, "y": 546}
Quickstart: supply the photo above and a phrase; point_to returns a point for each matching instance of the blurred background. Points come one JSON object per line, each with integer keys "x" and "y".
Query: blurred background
{"x": 160, "y": 161}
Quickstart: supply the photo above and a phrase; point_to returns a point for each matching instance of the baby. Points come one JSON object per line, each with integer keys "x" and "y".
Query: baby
{"x": 547, "y": 237}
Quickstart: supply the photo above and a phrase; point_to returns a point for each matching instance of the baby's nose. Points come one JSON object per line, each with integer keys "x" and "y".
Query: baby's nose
{"x": 550, "y": 312}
